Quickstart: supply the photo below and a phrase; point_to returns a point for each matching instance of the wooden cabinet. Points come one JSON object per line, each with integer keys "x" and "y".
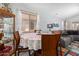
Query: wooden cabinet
{"x": 49, "y": 44}
{"x": 7, "y": 22}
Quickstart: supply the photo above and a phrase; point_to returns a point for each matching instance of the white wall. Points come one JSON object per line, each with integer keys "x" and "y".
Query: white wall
{"x": 44, "y": 17}
{"x": 72, "y": 23}
{"x": 48, "y": 12}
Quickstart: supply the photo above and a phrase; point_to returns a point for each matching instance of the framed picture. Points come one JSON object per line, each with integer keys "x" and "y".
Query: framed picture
{"x": 49, "y": 26}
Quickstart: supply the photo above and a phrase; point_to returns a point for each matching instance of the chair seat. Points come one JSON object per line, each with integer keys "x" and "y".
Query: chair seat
{"x": 6, "y": 51}
{"x": 21, "y": 49}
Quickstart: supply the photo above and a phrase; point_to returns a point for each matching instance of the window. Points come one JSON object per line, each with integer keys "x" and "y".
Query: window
{"x": 28, "y": 22}
{"x": 32, "y": 22}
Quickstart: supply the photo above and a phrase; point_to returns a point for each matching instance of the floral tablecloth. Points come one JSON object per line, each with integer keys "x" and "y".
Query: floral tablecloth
{"x": 31, "y": 40}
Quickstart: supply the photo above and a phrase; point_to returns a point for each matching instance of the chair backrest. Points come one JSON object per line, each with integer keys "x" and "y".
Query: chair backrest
{"x": 50, "y": 44}
{"x": 17, "y": 39}
{"x": 1, "y": 35}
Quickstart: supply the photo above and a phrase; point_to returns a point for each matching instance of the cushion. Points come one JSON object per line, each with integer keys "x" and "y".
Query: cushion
{"x": 1, "y": 46}
{"x": 65, "y": 41}
{"x": 5, "y": 51}
{"x": 75, "y": 37}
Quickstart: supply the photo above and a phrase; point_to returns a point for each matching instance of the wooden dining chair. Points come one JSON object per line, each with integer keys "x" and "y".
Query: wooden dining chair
{"x": 1, "y": 35}
{"x": 17, "y": 44}
{"x": 6, "y": 50}
{"x": 50, "y": 44}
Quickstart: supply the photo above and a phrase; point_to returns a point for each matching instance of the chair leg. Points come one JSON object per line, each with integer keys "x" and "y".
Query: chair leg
{"x": 61, "y": 50}
{"x": 15, "y": 54}
{"x": 29, "y": 52}
{"x": 18, "y": 52}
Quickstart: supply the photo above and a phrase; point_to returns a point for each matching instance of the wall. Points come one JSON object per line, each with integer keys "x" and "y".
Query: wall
{"x": 47, "y": 13}
{"x": 44, "y": 18}
{"x": 17, "y": 11}
{"x": 72, "y": 23}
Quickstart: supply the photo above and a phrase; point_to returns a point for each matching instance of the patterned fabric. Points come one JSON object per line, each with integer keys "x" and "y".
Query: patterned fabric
{"x": 63, "y": 51}
{"x": 6, "y": 51}
{"x": 65, "y": 41}
{"x": 74, "y": 49}
{"x": 72, "y": 53}
{"x": 31, "y": 40}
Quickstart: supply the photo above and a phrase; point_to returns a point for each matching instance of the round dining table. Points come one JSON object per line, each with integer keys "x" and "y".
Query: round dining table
{"x": 31, "y": 40}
